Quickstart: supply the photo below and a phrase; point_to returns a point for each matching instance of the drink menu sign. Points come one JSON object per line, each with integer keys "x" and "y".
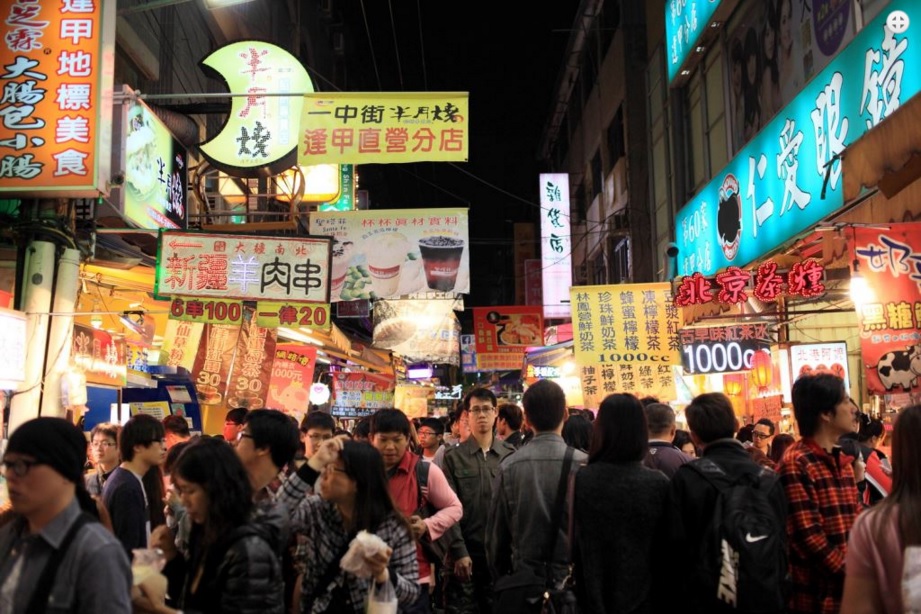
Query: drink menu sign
{"x": 388, "y": 254}
{"x": 56, "y": 67}
{"x": 252, "y": 366}
{"x": 243, "y": 267}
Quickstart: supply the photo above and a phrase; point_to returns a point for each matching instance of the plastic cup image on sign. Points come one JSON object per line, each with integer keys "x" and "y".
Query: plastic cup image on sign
{"x": 385, "y": 260}
{"x": 341, "y": 257}
{"x": 441, "y": 258}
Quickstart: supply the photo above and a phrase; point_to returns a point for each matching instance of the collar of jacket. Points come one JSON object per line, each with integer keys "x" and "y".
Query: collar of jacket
{"x": 725, "y": 442}
{"x": 471, "y": 446}
{"x": 835, "y": 458}
{"x": 406, "y": 463}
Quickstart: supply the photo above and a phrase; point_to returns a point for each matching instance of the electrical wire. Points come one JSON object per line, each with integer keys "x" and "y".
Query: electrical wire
{"x": 425, "y": 77}
{"x": 396, "y": 44}
{"x": 377, "y": 72}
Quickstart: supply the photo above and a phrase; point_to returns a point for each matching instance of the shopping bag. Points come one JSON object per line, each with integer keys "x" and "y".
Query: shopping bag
{"x": 382, "y": 599}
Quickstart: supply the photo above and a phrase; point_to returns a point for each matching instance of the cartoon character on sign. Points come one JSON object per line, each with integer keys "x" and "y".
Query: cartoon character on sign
{"x": 729, "y": 217}
{"x": 292, "y": 396}
{"x": 900, "y": 368}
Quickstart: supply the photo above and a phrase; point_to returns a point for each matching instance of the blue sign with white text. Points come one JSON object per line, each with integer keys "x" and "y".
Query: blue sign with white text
{"x": 684, "y": 21}
{"x": 772, "y": 190}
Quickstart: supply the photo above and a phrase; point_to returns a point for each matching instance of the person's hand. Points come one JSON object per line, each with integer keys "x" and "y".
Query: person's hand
{"x": 418, "y": 527}
{"x": 149, "y": 597}
{"x": 326, "y": 453}
{"x": 378, "y": 565}
{"x": 860, "y": 469}
{"x": 463, "y": 568}
{"x": 162, "y": 537}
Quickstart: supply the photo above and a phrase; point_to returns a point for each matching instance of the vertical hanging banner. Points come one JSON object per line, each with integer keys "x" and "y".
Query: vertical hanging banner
{"x": 292, "y": 373}
{"x": 360, "y": 128}
{"x": 626, "y": 340}
{"x": 180, "y": 343}
{"x": 56, "y": 67}
{"x": 213, "y": 362}
{"x": 889, "y": 309}
{"x": 252, "y": 366}
{"x": 555, "y": 244}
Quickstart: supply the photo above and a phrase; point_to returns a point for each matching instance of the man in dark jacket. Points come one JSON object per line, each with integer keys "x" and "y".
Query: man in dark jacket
{"x": 692, "y": 502}
{"x": 662, "y": 455}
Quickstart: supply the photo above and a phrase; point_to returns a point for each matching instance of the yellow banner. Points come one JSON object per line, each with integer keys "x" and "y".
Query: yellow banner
{"x": 626, "y": 340}
{"x": 206, "y": 311}
{"x": 293, "y": 315}
{"x": 385, "y": 128}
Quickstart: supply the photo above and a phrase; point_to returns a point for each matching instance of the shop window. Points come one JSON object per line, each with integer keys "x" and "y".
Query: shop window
{"x": 707, "y": 151}
{"x": 619, "y": 259}
{"x": 597, "y": 179}
{"x": 599, "y": 274}
{"x": 616, "y": 137}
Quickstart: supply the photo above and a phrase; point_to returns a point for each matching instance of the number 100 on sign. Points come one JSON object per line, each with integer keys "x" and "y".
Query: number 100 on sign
{"x": 718, "y": 357}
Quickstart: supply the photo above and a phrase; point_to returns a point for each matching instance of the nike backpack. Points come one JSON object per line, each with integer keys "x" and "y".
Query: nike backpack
{"x": 743, "y": 556}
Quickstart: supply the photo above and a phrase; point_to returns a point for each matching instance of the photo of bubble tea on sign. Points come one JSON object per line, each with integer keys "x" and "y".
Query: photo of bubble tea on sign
{"x": 441, "y": 259}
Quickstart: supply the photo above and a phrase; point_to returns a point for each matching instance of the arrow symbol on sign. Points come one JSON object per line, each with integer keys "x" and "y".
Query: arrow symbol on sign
{"x": 174, "y": 244}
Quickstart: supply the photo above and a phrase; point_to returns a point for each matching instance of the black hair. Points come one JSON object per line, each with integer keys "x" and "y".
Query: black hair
{"x": 711, "y": 417}
{"x": 544, "y": 405}
{"x": 682, "y": 438}
{"x": 213, "y": 465}
{"x": 435, "y": 424}
{"x": 373, "y": 503}
{"x": 272, "y": 429}
{"x": 779, "y": 447}
{"x": 236, "y": 415}
{"x": 479, "y": 393}
{"x": 318, "y": 420}
{"x": 869, "y": 428}
{"x": 153, "y": 488}
{"x": 620, "y": 431}
{"x": 362, "y": 429}
{"x": 814, "y": 395}
{"x": 389, "y": 421}
{"x": 140, "y": 430}
{"x": 176, "y": 425}
{"x": 735, "y": 52}
{"x": 172, "y": 455}
{"x": 511, "y": 413}
{"x": 659, "y": 418}
{"x": 646, "y": 401}
{"x": 745, "y": 433}
{"x": 108, "y": 429}
{"x": 577, "y": 432}
{"x": 768, "y": 423}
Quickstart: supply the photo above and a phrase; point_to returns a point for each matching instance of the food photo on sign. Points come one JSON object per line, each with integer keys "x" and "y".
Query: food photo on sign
{"x": 508, "y": 328}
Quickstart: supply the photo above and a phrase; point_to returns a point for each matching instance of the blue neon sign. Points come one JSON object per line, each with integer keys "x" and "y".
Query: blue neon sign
{"x": 684, "y": 22}
{"x": 772, "y": 190}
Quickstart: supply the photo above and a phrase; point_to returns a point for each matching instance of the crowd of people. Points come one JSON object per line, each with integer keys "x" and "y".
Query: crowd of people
{"x": 493, "y": 509}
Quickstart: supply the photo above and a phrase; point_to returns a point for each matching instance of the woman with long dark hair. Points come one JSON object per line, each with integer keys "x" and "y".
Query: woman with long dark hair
{"x": 234, "y": 563}
{"x": 751, "y": 86}
{"x": 617, "y": 506}
{"x": 353, "y": 497}
{"x": 770, "y": 79}
{"x": 877, "y": 543}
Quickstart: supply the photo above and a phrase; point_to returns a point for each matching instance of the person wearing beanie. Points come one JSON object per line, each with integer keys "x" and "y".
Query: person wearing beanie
{"x": 55, "y": 556}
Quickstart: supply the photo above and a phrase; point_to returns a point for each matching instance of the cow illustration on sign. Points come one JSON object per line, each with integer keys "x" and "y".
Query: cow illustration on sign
{"x": 900, "y": 368}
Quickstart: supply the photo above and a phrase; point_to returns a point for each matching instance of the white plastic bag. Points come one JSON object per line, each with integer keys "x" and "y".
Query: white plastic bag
{"x": 911, "y": 580}
{"x": 364, "y": 545}
{"x": 382, "y": 599}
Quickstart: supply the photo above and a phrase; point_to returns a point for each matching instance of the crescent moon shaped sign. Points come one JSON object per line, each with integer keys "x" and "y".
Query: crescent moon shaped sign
{"x": 261, "y": 131}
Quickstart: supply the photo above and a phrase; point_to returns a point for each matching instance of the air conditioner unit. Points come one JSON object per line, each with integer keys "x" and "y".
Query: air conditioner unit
{"x": 338, "y": 43}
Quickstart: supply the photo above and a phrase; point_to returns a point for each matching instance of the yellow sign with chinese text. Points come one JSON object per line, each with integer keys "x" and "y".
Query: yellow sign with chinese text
{"x": 360, "y": 128}
{"x": 626, "y": 340}
{"x": 293, "y": 315}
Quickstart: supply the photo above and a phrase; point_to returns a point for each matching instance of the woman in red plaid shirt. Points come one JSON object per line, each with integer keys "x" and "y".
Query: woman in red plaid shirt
{"x": 821, "y": 490}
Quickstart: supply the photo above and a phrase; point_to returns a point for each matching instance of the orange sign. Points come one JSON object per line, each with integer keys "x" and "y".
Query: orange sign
{"x": 56, "y": 67}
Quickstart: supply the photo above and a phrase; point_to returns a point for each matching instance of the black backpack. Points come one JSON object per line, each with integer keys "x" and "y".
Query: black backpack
{"x": 743, "y": 555}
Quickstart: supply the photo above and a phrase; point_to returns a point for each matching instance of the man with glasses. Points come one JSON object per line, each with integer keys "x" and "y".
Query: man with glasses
{"x": 52, "y": 535}
{"x": 316, "y": 427}
{"x": 104, "y": 450}
{"x": 430, "y": 432}
{"x": 143, "y": 446}
{"x": 763, "y": 435}
{"x": 470, "y": 468}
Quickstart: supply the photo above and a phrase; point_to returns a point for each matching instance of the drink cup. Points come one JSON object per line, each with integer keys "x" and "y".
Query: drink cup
{"x": 341, "y": 258}
{"x": 386, "y": 255}
{"x": 441, "y": 258}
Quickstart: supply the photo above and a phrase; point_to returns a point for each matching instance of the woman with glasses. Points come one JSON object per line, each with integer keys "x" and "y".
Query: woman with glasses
{"x": 353, "y": 496}
{"x": 234, "y": 558}
{"x": 104, "y": 454}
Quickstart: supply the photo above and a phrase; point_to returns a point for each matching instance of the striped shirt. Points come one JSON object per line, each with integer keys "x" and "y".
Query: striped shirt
{"x": 823, "y": 504}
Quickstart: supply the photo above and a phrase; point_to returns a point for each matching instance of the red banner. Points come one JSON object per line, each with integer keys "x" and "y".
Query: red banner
{"x": 507, "y": 329}
{"x": 889, "y": 307}
{"x": 356, "y": 395}
{"x": 101, "y": 356}
{"x": 292, "y": 373}
{"x": 252, "y": 366}
{"x": 213, "y": 362}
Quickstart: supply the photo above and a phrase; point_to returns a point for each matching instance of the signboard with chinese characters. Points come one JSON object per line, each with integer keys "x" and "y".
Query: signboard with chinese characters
{"x": 292, "y": 373}
{"x": 496, "y": 361}
{"x": 413, "y": 400}
{"x": 155, "y": 166}
{"x": 722, "y": 349}
{"x": 356, "y": 395}
{"x": 261, "y": 132}
{"x": 468, "y": 353}
{"x": 346, "y": 199}
{"x": 507, "y": 329}
{"x": 685, "y": 20}
{"x": 242, "y": 267}
{"x": 626, "y": 340}
{"x": 100, "y": 355}
{"x": 56, "y": 66}
{"x": 734, "y": 285}
{"x": 293, "y": 315}
{"x": 773, "y": 189}
{"x": 157, "y": 409}
{"x": 252, "y": 365}
{"x": 542, "y": 372}
{"x": 213, "y": 361}
{"x": 180, "y": 343}
{"x": 360, "y": 128}
{"x": 206, "y": 311}
{"x": 555, "y": 244}
{"x": 388, "y": 254}
{"x": 815, "y": 358}
{"x": 418, "y": 330}
{"x": 889, "y": 307}
{"x": 13, "y": 342}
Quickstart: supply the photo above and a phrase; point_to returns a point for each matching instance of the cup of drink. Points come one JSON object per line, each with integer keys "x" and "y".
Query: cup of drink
{"x": 386, "y": 255}
{"x": 441, "y": 257}
{"x": 341, "y": 258}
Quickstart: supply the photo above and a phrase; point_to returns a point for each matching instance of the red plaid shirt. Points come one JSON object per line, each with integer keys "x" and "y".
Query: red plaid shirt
{"x": 823, "y": 504}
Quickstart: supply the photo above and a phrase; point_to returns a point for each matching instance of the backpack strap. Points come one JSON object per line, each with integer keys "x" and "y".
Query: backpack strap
{"x": 38, "y": 603}
{"x": 556, "y": 517}
{"x": 422, "y": 483}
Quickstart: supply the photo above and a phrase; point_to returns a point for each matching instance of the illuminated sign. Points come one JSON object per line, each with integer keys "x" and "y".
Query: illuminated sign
{"x": 242, "y": 267}
{"x": 685, "y": 20}
{"x": 345, "y": 201}
{"x": 722, "y": 349}
{"x": 776, "y": 187}
{"x": 555, "y": 244}
{"x": 359, "y": 128}
{"x": 262, "y": 129}
{"x": 156, "y": 174}
{"x": 815, "y": 358}
{"x": 13, "y": 342}
{"x": 293, "y": 315}
{"x": 542, "y": 372}
{"x": 507, "y": 329}
{"x": 56, "y": 65}
{"x": 100, "y": 355}
{"x": 734, "y": 285}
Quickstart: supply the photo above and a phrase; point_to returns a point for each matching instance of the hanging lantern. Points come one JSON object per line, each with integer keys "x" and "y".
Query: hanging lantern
{"x": 732, "y": 385}
{"x": 762, "y": 370}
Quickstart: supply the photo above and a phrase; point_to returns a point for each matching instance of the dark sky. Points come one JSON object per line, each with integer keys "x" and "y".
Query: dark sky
{"x": 507, "y": 55}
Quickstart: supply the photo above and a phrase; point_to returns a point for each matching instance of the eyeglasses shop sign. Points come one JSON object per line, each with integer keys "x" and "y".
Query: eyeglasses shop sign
{"x": 721, "y": 349}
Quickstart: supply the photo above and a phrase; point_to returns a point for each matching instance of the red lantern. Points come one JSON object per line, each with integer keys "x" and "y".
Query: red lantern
{"x": 732, "y": 385}
{"x": 762, "y": 370}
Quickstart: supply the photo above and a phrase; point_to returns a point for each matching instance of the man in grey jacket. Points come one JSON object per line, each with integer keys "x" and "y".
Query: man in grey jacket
{"x": 525, "y": 489}
{"x": 662, "y": 455}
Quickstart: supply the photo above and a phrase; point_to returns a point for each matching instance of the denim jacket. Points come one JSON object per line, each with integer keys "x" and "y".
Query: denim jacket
{"x": 520, "y": 513}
